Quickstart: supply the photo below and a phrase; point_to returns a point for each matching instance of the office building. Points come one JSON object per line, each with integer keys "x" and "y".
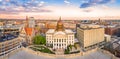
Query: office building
{"x": 90, "y": 36}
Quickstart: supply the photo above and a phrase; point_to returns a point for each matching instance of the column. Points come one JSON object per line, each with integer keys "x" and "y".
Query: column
{"x": 61, "y": 43}
{"x": 57, "y": 43}
{"x": 53, "y": 43}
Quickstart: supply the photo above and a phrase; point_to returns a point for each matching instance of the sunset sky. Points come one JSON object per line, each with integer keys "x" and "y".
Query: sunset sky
{"x": 52, "y": 9}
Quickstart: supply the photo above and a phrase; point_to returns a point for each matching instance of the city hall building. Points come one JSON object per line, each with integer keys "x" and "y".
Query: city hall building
{"x": 60, "y": 37}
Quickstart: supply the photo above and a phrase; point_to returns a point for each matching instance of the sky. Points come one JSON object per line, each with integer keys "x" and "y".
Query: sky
{"x": 53, "y": 9}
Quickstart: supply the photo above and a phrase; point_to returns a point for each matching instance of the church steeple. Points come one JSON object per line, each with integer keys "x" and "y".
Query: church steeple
{"x": 27, "y": 20}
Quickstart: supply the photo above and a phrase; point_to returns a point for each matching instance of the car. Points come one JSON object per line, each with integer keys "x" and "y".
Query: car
{"x": 3, "y": 38}
{"x": 9, "y": 38}
{"x": 13, "y": 37}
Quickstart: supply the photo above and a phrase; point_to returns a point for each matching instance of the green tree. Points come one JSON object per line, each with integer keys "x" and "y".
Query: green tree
{"x": 67, "y": 51}
{"x": 75, "y": 45}
{"x": 70, "y": 46}
{"x": 38, "y": 39}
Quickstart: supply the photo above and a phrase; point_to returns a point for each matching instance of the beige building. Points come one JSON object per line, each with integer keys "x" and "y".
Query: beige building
{"x": 90, "y": 35}
{"x": 1, "y": 23}
{"x": 10, "y": 45}
{"x": 60, "y": 38}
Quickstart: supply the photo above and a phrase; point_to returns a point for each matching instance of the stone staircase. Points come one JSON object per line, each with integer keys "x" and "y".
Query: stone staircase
{"x": 59, "y": 52}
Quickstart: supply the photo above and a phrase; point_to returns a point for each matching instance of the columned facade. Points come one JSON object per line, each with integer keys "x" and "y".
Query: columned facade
{"x": 59, "y": 38}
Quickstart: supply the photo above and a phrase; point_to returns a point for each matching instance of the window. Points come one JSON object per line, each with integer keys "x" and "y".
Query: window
{"x": 59, "y": 40}
{"x": 72, "y": 41}
{"x": 64, "y": 40}
{"x": 54, "y": 40}
{"x": 59, "y": 44}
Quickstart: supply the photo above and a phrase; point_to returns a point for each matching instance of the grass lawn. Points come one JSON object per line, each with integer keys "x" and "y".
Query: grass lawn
{"x": 42, "y": 49}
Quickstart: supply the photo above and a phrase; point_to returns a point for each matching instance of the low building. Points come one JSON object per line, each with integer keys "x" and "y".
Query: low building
{"x": 1, "y": 23}
{"x": 107, "y": 38}
{"x": 111, "y": 30}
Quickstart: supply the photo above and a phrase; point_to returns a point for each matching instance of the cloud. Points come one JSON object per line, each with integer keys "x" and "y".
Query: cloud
{"x": 15, "y": 7}
{"x": 42, "y": 3}
{"x": 84, "y": 5}
{"x": 7, "y": 0}
{"x": 66, "y": 2}
{"x": 90, "y": 3}
{"x": 94, "y": 8}
{"x": 87, "y": 10}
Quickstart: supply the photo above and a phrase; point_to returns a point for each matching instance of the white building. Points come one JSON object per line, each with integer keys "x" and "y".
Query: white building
{"x": 60, "y": 38}
{"x": 107, "y": 37}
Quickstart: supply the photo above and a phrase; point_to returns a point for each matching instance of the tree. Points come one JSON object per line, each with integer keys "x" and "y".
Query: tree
{"x": 75, "y": 45}
{"x": 70, "y": 46}
{"x": 38, "y": 39}
{"x": 67, "y": 51}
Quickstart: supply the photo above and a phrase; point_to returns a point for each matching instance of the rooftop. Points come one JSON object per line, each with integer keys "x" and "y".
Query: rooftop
{"x": 68, "y": 31}
{"x": 51, "y": 31}
{"x": 29, "y": 30}
{"x": 89, "y": 26}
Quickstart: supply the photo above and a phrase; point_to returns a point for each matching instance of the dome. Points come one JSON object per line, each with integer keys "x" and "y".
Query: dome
{"x": 60, "y": 26}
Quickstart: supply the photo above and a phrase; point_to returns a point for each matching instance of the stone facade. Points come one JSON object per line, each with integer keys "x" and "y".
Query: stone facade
{"x": 60, "y": 37}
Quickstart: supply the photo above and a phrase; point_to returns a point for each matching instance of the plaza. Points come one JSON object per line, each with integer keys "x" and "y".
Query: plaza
{"x": 26, "y": 55}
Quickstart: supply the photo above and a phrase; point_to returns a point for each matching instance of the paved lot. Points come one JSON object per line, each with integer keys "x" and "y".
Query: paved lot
{"x": 26, "y": 55}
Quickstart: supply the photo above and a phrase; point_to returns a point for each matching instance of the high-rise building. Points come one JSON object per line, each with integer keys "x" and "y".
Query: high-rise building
{"x": 60, "y": 37}
{"x": 31, "y": 22}
{"x": 30, "y": 29}
{"x": 90, "y": 36}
